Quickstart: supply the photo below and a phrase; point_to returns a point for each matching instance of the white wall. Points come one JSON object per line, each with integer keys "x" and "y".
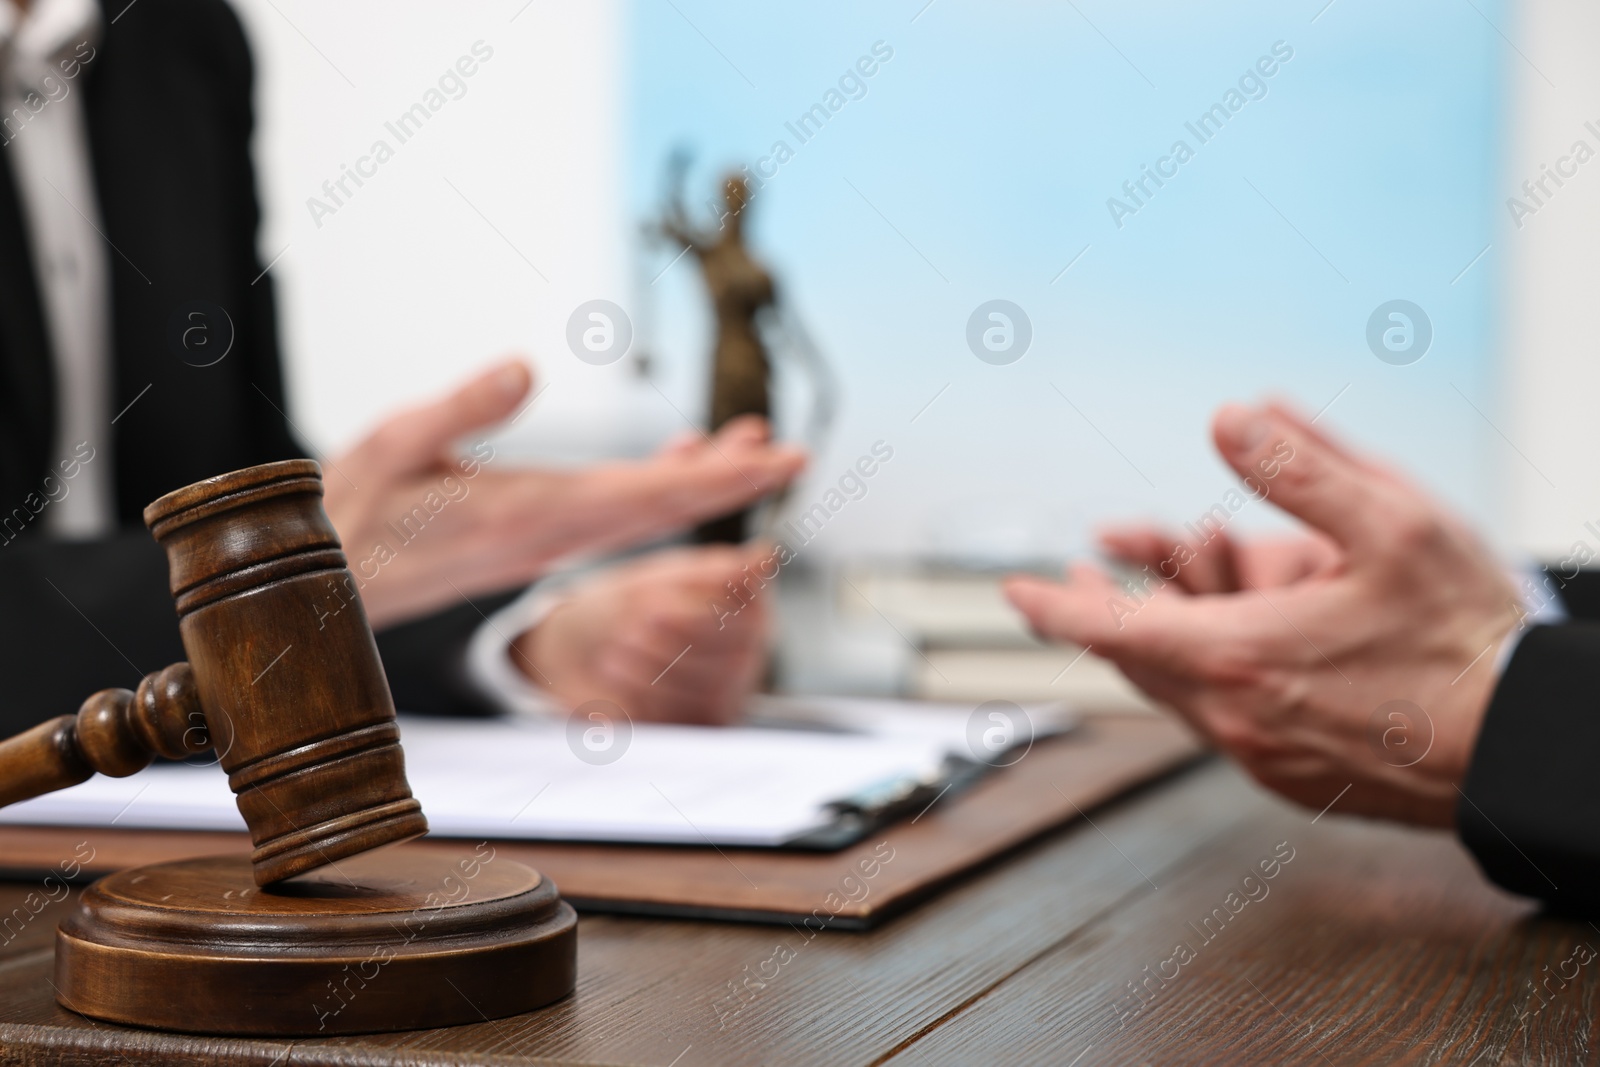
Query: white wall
{"x": 406, "y": 288}
{"x": 1552, "y": 322}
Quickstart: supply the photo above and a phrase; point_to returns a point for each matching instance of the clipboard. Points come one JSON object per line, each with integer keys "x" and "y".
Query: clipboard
{"x": 814, "y": 773}
{"x": 852, "y": 889}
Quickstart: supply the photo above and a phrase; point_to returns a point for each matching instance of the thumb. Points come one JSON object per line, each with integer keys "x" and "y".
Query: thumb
{"x": 1304, "y": 473}
{"x": 419, "y": 436}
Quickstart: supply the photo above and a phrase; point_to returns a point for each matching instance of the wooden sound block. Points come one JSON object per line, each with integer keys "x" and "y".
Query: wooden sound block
{"x": 396, "y": 939}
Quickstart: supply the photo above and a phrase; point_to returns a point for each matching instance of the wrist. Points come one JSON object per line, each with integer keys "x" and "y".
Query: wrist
{"x": 1461, "y": 714}
{"x": 545, "y": 656}
{"x": 528, "y": 655}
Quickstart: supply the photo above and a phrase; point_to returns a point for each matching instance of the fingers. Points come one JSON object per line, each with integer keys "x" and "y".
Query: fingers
{"x": 1195, "y": 637}
{"x": 1210, "y": 566}
{"x": 680, "y": 444}
{"x": 614, "y": 505}
{"x": 706, "y": 567}
{"x": 1287, "y": 411}
{"x": 745, "y": 446}
{"x": 1281, "y": 561}
{"x": 747, "y": 455}
{"x": 737, "y": 434}
{"x": 1215, "y": 566}
{"x": 1076, "y": 611}
{"x": 417, "y": 438}
{"x": 1305, "y": 474}
{"x": 638, "y": 500}
{"x": 1140, "y": 546}
{"x": 695, "y": 596}
{"x": 738, "y": 470}
{"x": 481, "y": 402}
{"x": 1222, "y": 565}
{"x": 649, "y": 636}
{"x": 701, "y": 688}
{"x": 676, "y": 657}
{"x": 745, "y": 429}
{"x": 526, "y": 518}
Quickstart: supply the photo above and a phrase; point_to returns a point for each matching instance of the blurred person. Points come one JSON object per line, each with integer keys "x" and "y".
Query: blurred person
{"x": 127, "y": 203}
{"x": 1382, "y": 664}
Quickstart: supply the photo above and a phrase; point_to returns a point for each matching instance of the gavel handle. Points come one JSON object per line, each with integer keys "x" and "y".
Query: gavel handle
{"x": 116, "y": 732}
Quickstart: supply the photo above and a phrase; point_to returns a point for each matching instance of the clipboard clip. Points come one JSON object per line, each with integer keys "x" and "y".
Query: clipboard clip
{"x": 887, "y": 801}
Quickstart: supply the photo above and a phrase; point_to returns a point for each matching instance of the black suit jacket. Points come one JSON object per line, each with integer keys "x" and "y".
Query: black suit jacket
{"x": 1530, "y": 807}
{"x": 168, "y": 100}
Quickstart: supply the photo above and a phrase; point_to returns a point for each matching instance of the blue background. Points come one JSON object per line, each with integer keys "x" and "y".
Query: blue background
{"x": 978, "y": 165}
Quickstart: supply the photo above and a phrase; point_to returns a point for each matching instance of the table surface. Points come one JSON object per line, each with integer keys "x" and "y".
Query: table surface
{"x": 1372, "y": 944}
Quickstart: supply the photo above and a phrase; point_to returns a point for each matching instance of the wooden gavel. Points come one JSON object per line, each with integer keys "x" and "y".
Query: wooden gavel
{"x": 293, "y": 700}
{"x": 295, "y": 703}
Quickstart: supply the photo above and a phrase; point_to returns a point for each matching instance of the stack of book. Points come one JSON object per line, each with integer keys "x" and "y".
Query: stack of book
{"x": 963, "y": 642}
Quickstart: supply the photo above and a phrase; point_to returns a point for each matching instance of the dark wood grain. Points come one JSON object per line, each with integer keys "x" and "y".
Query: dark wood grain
{"x": 1375, "y": 945}
{"x": 647, "y": 989}
{"x": 31, "y": 852}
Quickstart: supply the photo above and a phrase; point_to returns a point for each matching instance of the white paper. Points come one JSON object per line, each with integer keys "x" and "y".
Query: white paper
{"x": 518, "y": 778}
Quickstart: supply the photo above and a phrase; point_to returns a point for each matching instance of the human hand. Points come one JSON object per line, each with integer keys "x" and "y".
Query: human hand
{"x": 648, "y": 637}
{"x": 1290, "y": 678}
{"x": 423, "y": 527}
{"x": 1219, "y": 564}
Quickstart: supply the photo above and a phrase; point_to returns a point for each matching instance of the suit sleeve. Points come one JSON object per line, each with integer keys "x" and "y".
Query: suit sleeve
{"x": 427, "y": 660}
{"x": 1530, "y": 806}
{"x": 1579, "y": 592}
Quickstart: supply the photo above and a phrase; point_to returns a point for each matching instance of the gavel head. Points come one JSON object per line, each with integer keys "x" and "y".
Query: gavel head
{"x": 294, "y": 695}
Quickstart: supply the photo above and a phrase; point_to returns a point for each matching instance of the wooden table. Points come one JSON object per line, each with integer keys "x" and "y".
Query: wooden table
{"x": 1373, "y": 944}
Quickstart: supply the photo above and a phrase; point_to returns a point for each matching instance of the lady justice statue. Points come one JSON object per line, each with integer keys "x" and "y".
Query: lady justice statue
{"x": 739, "y": 288}
{"x": 750, "y": 327}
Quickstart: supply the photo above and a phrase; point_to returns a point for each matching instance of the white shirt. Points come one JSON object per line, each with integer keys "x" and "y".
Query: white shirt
{"x": 44, "y": 133}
